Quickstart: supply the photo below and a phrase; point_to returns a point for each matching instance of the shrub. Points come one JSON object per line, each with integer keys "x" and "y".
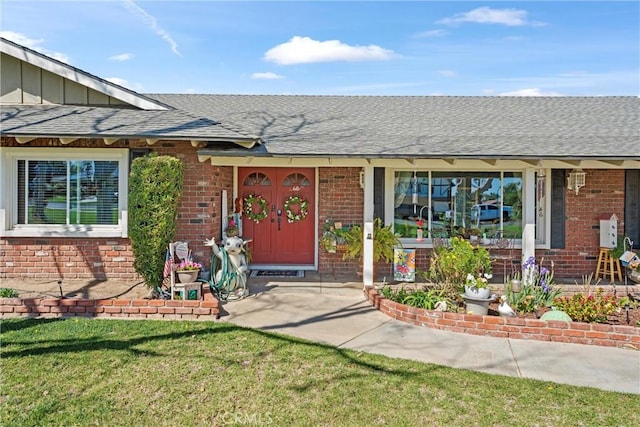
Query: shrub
{"x": 155, "y": 188}
{"x": 421, "y": 298}
{"x": 588, "y": 308}
{"x": 8, "y": 293}
{"x": 453, "y": 264}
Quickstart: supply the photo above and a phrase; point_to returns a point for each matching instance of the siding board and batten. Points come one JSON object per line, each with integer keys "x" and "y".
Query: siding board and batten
{"x": 24, "y": 83}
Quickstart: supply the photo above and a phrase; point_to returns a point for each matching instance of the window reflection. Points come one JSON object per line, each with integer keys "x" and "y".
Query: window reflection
{"x": 68, "y": 192}
{"x": 447, "y": 204}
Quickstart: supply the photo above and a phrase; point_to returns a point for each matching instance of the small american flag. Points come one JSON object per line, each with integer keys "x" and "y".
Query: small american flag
{"x": 167, "y": 265}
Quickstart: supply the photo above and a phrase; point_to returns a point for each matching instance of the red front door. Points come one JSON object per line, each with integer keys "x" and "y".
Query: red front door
{"x": 278, "y": 239}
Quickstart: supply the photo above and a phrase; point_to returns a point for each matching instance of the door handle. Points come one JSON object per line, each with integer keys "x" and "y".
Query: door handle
{"x": 279, "y": 218}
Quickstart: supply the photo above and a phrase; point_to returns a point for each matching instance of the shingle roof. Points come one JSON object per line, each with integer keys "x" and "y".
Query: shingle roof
{"x": 429, "y": 127}
{"x": 87, "y": 121}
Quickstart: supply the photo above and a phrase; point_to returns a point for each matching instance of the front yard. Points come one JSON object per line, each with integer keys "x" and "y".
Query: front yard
{"x": 110, "y": 372}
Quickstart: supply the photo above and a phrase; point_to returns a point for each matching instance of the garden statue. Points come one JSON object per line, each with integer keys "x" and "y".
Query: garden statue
{"x": 228, "y": 268}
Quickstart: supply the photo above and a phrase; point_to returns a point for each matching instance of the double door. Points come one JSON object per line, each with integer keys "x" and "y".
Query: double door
{"x": 282, "y": 220}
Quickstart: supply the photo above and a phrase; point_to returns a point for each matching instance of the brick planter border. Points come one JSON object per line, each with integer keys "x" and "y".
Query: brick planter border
{"x": 509, "y": 327}
{"x": 207, "y": 309}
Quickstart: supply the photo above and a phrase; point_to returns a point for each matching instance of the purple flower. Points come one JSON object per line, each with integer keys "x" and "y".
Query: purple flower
{"x": 531, "y": 262}
{"x": 544, "y": 271}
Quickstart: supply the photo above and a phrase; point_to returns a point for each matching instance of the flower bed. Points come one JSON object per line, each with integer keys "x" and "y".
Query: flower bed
{"x": 510, "y": 327}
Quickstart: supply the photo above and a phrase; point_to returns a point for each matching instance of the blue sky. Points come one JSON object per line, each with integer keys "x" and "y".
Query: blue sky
{"x": 574, "y": 48}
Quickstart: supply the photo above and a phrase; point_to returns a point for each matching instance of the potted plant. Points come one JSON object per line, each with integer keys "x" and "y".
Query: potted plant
{"x": 477, "y": 285}
{"x": 384, "y": 241}
{"x": 232, "y": 228}
{"x": 188, "y": 271}
{"x": 474, "y": 234}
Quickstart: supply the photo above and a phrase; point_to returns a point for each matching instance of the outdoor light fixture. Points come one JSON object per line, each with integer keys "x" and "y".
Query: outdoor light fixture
{"x": 577, "y": 178}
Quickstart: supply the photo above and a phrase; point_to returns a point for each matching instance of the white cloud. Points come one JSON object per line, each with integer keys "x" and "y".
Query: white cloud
{"x": 447, "y": 73}
{"x": 34, "y": 44}
{"x": 430, "y": 34}
{"x": 530, "y": 92}
{"x": 119, "y": 81}
{"x": 304, "y": 50}
{"x": 486, "y": 15}
{"x": 121, "y": 57}
{"x": 153, "y": 24}
{"x": 266, "y": 76}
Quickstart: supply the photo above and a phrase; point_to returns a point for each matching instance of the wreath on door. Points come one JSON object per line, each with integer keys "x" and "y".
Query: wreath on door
{"x": 256, "y": 215}
{"x": 301, "y": 210}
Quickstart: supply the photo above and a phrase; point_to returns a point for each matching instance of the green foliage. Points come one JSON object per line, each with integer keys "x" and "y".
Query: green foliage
{"x": 155, "y": 188}
{"x": 421, "y": 298}
{"x": 452, "y": 264}
{"x": 384, "y": 241}
{"x": 588, "y": 308}
{"x": 8, "y": 293}
{"x": 537, "y": 289}
{"x": 617, "y": 252}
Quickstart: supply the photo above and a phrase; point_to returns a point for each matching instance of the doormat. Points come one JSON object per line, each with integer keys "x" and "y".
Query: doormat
{"x": 277, "y": 273}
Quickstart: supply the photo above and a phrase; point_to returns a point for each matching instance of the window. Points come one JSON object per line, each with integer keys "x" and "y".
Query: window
{"x": 445, "y": 204}
{"x": 65, "y": 192}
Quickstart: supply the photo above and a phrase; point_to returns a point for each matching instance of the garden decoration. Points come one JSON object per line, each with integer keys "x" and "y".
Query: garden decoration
{"x": 188, "y": 271}
{"x": 232, "y": 228}
{"x": 302, "y": 210}
{"x": 504, "y": 308}
{"x": 419, "y": 230}
{"x": 229, "y": 269}
{"x": 256, "y": 215}
{"x": 477, "y": 286}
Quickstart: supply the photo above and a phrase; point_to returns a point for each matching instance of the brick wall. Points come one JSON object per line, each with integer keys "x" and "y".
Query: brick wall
{"x": 341, "y": 199}
{"x": 206, "y": 309}
{"x": 604, "y": 192}
{"x": 509, "y": 327}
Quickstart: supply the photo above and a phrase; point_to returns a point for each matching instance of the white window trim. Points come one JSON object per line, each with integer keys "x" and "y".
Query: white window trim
{"x": 427, "y": 243}
{"x": 9, "y": 157}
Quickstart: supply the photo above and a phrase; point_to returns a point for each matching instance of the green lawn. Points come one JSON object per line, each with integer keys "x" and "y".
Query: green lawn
{"x": 79, "y": 372}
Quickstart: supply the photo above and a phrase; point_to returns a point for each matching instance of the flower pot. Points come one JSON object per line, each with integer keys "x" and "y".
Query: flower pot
{"x": 187, "y": 276}
{"x": 634, "y": 275}
{"x": 477, "y": 307}
{"x": 477, "y": 293}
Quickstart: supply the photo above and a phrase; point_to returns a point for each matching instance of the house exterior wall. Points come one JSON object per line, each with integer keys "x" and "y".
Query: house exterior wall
{"x": 112, "y": 258}
{"x": 340, "y": 199}
{"x": 603, "y": 193}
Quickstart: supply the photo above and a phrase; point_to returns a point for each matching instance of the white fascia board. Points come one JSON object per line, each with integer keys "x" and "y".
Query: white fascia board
{"x": 81, "y": 77}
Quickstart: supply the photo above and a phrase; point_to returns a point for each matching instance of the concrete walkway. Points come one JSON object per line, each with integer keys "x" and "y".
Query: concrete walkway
{"x": 338, "y": 314}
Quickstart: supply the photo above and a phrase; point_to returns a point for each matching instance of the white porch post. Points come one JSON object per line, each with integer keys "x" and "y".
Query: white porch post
{"x": 367, "y": 258}
{"x": 529, "y": 232}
